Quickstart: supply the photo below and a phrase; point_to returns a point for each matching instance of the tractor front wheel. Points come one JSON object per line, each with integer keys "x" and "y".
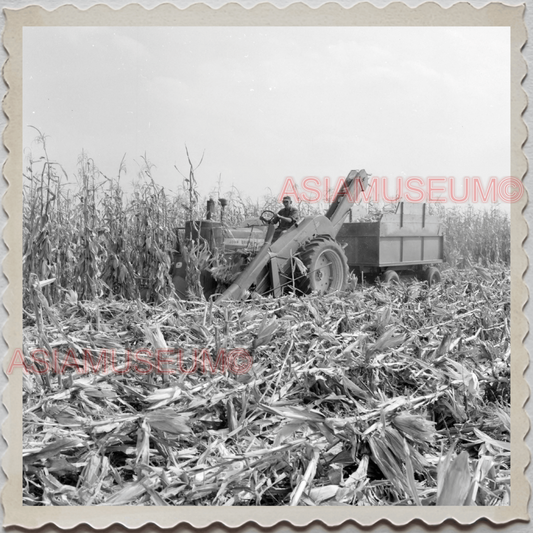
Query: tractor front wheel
{"x": 326, "y": 264}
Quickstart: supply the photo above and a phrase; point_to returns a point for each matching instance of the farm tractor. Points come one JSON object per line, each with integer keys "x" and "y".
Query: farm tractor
{"x": 318, "y": 252}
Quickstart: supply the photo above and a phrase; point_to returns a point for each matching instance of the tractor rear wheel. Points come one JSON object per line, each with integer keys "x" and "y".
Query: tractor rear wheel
{"x": 327, "y": 266}
{"x": 432, "y": 276}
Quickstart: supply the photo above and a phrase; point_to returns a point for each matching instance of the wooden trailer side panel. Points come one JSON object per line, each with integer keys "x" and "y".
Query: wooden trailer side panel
{"x": 397, "y": 251}
{"x": 361, "y": 242}
{"x": 408, "y": 237}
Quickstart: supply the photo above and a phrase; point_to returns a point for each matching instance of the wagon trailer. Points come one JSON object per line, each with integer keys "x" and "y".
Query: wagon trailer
{"x": 408, "y": 239}
{"x": 318, "y": 252}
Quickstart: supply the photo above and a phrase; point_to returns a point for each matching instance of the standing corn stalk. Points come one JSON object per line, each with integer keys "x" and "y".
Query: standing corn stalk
{"x": 88, "y": 268}
{"x": 43, "y": 235}
{"x": 191, "y": 185}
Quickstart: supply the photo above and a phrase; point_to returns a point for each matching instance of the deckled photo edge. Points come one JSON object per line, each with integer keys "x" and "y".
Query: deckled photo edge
{"x": 16, "y": 514}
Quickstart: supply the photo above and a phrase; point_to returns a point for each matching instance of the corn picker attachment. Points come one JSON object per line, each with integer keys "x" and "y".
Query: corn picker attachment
{"x": 306, "y": 257}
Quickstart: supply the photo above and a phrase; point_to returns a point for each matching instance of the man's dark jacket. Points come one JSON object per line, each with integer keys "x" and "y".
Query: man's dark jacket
{"x": 289, "y": 212}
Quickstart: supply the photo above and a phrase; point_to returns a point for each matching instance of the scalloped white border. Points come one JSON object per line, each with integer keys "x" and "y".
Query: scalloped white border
{"x": 234, "y": 14}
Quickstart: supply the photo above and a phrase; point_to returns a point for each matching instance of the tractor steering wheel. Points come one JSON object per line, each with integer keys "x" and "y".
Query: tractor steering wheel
{"x": 266, "y": 220}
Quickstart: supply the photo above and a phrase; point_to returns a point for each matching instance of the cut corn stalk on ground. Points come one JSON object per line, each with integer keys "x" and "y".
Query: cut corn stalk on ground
{"x": 376, "y": 396}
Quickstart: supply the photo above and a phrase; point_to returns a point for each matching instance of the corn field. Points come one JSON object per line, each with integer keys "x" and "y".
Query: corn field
{"x": 475, "y": 236}
{"x": 96, "y": 240}
{"x": 380, "y": 395}
{"x": 391, "y": 395}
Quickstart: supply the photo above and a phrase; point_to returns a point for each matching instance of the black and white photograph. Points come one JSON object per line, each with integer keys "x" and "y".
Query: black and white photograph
{"x": 267, "y": 265}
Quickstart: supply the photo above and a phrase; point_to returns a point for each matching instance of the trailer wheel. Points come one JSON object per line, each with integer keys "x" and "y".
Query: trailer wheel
{"x": 390, "y": 276}
{"x": 432, "y": 276}
{"x": 326, "y": 264}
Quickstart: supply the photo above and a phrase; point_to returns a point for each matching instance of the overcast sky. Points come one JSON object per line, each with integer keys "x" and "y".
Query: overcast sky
{"x": 267, "y": 103}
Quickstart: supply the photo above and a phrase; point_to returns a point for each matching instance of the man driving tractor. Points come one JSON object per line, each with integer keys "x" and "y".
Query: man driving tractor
{"x": 286, "y": 217}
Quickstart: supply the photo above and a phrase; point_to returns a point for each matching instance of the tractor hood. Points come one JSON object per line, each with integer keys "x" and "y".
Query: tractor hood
{"x": 243, "y": 238}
